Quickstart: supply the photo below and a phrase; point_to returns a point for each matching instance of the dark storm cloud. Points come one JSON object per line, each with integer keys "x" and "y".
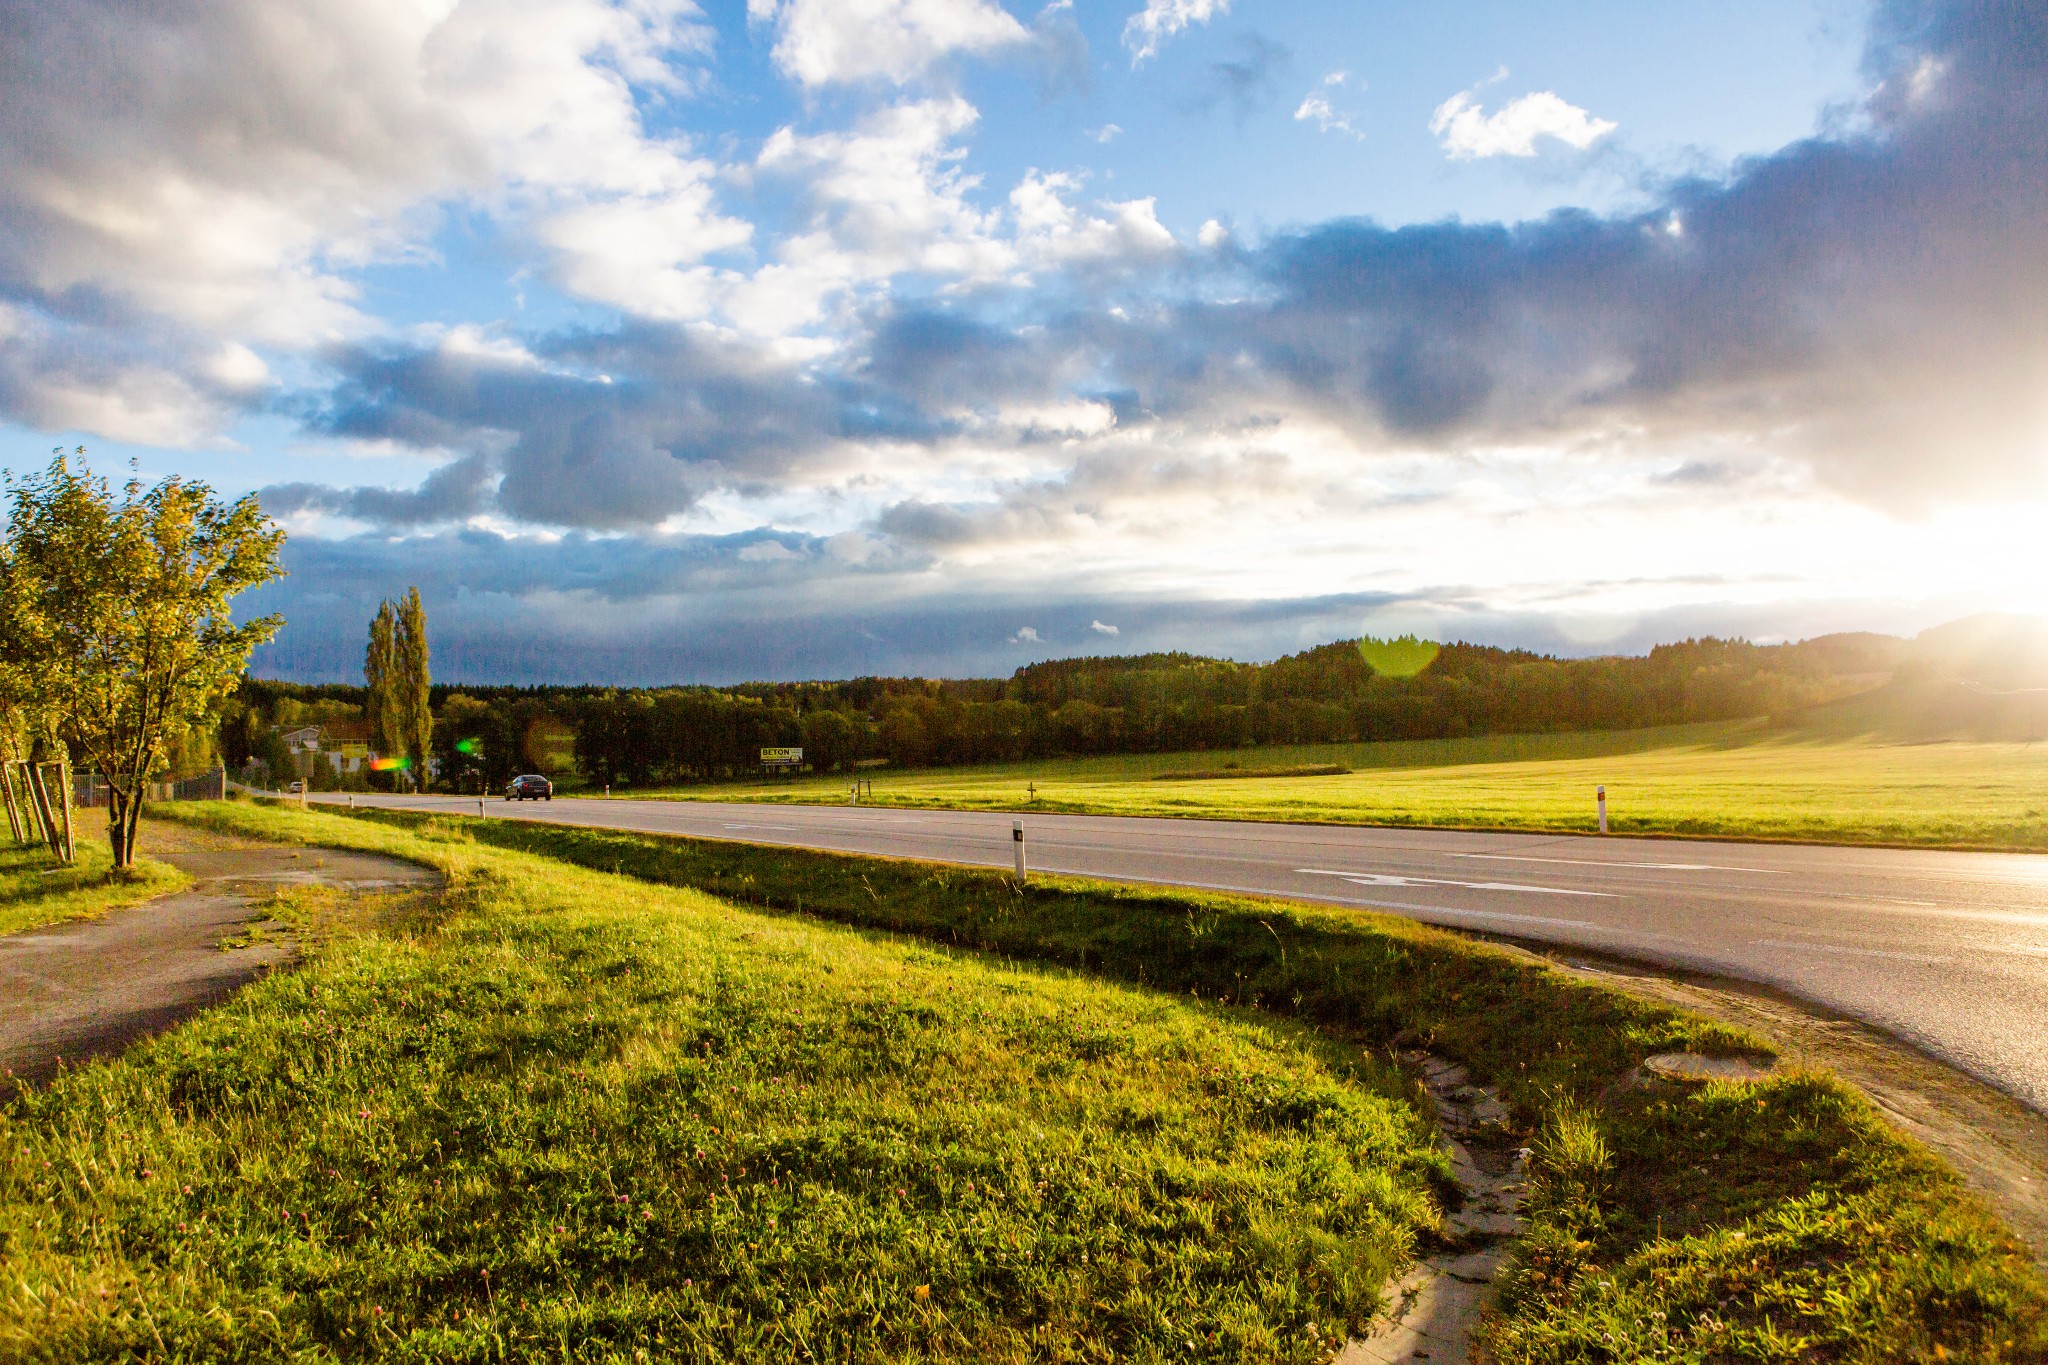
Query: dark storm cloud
{"x": 607, "y": 430}
{"x": 454, "y": 491}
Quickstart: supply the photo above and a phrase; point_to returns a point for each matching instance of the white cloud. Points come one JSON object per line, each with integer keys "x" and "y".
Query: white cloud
{"x": 1106, "y": 133}
{"x": 886, "y": 198}
{"x": 1025, "y": 635}
{"x": 1100, "y": 629}
{"x": 1052, "y": 231}
{"x": 1468, "y": 132}
{"x": 1162, "y": 19}
{"x": 1212, "y": 234}
{"x": 258, "y": 154}
{"x": 1316, "y": 106}
{"x": 824, "y": 42}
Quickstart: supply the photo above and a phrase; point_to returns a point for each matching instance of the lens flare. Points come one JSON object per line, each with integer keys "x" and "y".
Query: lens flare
{"x": 1401, "y": 657}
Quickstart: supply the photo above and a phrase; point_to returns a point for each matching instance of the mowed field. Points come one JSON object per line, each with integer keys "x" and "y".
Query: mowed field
{"x": 1729, "y": 781}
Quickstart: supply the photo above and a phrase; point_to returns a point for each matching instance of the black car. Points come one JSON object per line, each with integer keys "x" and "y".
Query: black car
{"x": 530, "y": 787}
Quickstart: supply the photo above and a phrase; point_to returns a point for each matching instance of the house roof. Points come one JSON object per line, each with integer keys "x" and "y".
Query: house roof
{"x": 332, "y": 732}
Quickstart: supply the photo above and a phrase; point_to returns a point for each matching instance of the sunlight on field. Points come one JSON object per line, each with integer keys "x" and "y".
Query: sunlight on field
{"x": 1725, "y": 780}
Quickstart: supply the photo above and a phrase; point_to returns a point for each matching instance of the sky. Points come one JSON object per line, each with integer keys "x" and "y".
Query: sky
{"x": 667, "y": 342}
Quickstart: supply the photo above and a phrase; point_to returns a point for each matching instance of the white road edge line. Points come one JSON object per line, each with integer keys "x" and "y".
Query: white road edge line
{"x": 1389, "y": 879}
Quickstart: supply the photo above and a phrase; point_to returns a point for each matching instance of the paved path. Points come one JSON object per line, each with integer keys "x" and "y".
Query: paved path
{"x": 1946, "y": 950}
{"x": 88, "y": 988}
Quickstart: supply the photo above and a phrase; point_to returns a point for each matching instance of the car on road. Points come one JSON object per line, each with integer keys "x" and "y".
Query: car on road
{"x": 296, "y": 787}
{"x": 529, "y": 787}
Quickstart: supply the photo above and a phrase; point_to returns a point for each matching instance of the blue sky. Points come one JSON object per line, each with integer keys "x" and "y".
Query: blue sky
{"x": 660, "y": 342}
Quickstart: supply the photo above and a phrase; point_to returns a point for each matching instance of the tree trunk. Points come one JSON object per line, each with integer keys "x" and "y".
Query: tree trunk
{"x": 118, "y": 826}
{"x": 134, "y": 824}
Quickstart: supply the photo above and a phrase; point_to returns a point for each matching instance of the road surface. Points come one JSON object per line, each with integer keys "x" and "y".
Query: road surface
{"x": 1946, "y": 950}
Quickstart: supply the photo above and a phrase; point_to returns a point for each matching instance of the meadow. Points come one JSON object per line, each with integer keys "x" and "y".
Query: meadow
{"x": 1186, "y": 1105}
{"x": 558, "y": 1112}
{"x": 1738, "y": 780}
{"x": 35, "y": 889}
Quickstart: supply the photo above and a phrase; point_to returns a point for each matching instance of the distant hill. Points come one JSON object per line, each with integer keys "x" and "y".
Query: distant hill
{"x": 1984, "y": 677}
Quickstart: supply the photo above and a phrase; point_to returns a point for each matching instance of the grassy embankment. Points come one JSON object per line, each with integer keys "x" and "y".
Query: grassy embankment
{"x": 1740, "y": 781}
{"x": 562, "y": 1113}
{"x": 1771, "y": 1221}
{"x": 36, "y": 890}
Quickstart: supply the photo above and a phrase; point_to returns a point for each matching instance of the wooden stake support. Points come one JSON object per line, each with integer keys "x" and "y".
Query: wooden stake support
{"x": 13, "y": 811}
{"x": 34, "y": 831}
{"x": 41, "y": 796}
{"x": 63, "y": 768}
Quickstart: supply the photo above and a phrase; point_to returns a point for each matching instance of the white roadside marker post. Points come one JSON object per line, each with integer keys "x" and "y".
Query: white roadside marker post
{"x": 1017, "y": 842}
{"x": 479, "y": 808}
{"x": 1600, "y": 795}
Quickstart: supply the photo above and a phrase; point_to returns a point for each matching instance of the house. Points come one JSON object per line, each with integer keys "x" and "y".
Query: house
{"x": 345, "y": 744}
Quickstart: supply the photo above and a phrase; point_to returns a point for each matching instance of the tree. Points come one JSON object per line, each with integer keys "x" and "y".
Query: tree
{"x": 380, "y": 679}
{"x": 415, "y": 722}
{"x": 396, "y": 683}
{"x": 114, "y": 616}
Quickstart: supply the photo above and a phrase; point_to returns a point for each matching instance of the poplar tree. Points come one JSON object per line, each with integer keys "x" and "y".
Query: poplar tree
{"x": 380, "y": 682}
{"x": 114, "y": 614}
{"x": 415, "y": 721}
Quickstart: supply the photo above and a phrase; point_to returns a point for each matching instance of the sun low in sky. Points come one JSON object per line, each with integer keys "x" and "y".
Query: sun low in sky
{"x": 660, "y": 341}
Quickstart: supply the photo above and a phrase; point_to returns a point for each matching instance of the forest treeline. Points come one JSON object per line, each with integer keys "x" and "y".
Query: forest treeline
{"x": 632, "y": 737}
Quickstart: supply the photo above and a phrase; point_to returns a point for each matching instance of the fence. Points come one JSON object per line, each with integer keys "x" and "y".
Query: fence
{"x": 90, "y": 789}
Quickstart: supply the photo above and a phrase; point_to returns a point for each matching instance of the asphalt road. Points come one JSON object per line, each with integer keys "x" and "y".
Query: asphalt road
{"x": 1946, "y": 950}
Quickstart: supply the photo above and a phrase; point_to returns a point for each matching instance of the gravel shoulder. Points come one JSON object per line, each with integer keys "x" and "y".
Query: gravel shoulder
{"x": 88, "y": 988}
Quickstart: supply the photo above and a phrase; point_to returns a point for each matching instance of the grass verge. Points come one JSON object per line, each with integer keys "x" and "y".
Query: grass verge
{"x": 568, "y": 1115}
{"x": 36, "y": 890}
{"x": 1734, "y": 781}
{"x": 1772, "y": 1221}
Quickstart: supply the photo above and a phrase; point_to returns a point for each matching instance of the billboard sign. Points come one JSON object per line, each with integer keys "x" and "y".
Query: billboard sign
{"x": 781, "y": 758}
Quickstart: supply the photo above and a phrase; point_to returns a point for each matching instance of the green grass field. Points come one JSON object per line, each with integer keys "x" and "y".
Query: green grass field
{"x": 1737, "y": 781}
{"x": 571, "y": 1116}
{"x": 36, "y": 890}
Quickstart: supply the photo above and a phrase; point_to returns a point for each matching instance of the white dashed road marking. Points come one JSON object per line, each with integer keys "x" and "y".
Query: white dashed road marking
{"x": 1389, "y": 879}
{"x": 1602, "y": 862}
